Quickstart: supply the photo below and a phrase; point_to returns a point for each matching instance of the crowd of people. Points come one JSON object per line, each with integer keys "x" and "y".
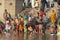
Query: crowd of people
{"x": 28, "y": 23}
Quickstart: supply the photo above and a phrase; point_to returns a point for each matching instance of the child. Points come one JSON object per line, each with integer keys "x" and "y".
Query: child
{"x": 12, "y": 24}
{"x": 7, "y": 26}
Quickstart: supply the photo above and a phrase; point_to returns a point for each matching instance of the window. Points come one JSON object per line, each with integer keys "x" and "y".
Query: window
{"x": 0, "y": 3}
{"x": 10, "y": 3}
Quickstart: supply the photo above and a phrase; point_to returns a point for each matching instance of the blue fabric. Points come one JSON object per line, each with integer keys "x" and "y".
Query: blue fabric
{"x": 8, "y": 16}
{"x": 7, "y": 30}
{"x": 25, "y": 17}
{"x": 48, "y": 4}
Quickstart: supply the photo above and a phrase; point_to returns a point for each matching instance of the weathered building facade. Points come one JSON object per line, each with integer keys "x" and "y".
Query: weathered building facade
{"x": 33, "y": 2}
{"x": 13, "y": 7}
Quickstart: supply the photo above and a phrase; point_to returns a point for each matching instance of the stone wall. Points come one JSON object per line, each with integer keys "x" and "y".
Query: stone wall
{"x": 19, "y": 6}
{"x": 1, "y": 9}
{"x": 13, "y": 7}
{"x": 10, "y": 6}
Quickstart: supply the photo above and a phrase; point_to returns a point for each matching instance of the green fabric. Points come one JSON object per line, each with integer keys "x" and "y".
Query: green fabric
{"x": 0, "y": 30}
{"x": 58, "y": 14}
{"x": 59, "y": 20}
{"x": 38, "y": 20}
{"x": 7, "y": 30}
{"x": 25, "y": 22}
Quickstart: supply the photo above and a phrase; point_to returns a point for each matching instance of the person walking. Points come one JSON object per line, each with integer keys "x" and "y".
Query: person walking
{"x": 53, "y": 17}
{"x": 25, "y": 21}
{"x": 5, "y": 14}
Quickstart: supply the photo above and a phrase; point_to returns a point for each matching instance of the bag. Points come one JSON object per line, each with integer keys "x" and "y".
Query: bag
{"x": 30, "y": 28}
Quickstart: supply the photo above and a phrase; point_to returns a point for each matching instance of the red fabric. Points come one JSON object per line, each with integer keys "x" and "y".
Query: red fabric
{"x": 37, "y": 27}
{"x": 0, "y": 27}
{"x": 16, "y": 26}
{"x": 41, "y": 14}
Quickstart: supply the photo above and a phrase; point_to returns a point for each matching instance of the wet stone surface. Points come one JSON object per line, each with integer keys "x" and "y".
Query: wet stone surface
{"x": 28, "y": 36}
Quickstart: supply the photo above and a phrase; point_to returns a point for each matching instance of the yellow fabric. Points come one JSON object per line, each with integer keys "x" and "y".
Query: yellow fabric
{"x": 16, "y": 20}
{"x": 22, "y": 19}
{"x": 25, "y": 22}
{"x": 58, "y": 27}
{"x": 30, "y": 28}
{"x": 53, "y": 17}
{"x": 20, "y": 27}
